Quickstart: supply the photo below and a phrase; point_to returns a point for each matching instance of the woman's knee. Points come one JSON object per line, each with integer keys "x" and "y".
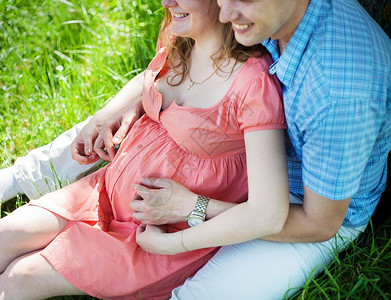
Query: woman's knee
{"x": 9, "y": 229}
{"x": 13, "y": 232}
{"x": 33, "y": 277}
{"x": 18, "y": 278}
{"x": 30, "y": 223}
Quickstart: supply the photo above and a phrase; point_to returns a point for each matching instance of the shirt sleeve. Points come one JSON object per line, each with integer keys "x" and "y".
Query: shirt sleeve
{"x": 260, "y": 105}
{"x": 337, "y": 143}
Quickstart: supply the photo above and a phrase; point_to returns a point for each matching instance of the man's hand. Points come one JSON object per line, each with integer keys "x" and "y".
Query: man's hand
{"x": 82, "y": 145}
{"x": 109, "y": 125}
{"x": 114, "y": 129}
{"x": 97, "y": 139}
{"x": 162, "y": 201}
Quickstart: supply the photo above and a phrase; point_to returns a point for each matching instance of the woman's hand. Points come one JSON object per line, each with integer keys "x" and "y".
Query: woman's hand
{"x": 162, "y": 201}
{"x": 153, "y": 239}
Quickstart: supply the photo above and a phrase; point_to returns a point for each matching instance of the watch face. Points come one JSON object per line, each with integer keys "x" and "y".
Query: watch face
{"x": 193, "y": 221}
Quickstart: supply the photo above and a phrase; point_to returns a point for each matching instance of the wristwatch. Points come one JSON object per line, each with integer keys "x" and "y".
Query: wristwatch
{"x": 198, "y": 214}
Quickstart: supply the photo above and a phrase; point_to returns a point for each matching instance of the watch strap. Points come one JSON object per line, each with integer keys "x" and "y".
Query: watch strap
{"x": 201, "y": 204}
{"x": 198, "y": 214}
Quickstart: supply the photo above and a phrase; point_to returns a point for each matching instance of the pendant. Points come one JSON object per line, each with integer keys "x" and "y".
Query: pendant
{"x": 190, "y": 86}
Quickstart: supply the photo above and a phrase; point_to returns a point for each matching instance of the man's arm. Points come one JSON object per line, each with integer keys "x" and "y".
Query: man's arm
{"x": 318, "y": 219}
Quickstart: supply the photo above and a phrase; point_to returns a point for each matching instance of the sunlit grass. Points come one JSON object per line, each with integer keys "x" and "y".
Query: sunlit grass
{"x": 60, "y": 62}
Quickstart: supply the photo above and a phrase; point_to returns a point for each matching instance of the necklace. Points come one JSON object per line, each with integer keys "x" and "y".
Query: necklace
{"x": 192, "y": 82}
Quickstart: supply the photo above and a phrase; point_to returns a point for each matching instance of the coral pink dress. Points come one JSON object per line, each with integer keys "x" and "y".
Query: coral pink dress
{"x": 203, "y": 149}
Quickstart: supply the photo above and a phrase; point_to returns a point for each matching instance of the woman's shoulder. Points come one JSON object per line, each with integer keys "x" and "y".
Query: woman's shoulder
{"x": 258, "y": 66}
{"x": 253, "y": 72}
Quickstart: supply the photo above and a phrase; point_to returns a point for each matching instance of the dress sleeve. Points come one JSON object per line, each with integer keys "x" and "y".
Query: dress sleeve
{"x": 158, "y": 45}
{"x": 260, "y": 106}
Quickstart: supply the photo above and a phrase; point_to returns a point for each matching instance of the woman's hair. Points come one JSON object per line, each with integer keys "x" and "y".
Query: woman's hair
{"x": 179, "y": 49}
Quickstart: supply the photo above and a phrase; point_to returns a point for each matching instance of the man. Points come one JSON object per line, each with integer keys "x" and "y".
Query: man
{"x": 334, "y": 63}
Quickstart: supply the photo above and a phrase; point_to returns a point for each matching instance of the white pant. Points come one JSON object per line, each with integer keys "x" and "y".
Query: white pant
{"x": 260, "y": 269}
{"x": 51, "y": 166}
{"x": 252, "y": 270}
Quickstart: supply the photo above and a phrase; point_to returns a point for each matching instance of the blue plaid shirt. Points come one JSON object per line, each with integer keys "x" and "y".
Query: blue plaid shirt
{"x": 336, "y": 77}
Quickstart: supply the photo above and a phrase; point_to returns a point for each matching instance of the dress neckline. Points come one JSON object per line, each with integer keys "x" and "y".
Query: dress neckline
{"x": 218, "y": 103}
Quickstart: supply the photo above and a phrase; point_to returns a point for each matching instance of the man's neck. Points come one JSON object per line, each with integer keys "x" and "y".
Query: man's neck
{"x": 281, "y": 46}
{"x": 286, "y": 34}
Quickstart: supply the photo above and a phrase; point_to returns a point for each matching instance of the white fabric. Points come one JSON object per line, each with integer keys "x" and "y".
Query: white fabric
{"x": 261, "y": 269}
{"x": 8, "y": 185}
{"x": 42, "y": 169}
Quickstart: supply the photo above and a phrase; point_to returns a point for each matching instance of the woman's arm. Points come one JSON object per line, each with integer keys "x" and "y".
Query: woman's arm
{"x": 110, "y": 124}
{"x": 263, "y": 214}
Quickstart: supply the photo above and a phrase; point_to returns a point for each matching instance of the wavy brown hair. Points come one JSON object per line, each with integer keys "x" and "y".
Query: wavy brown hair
{"x": 179, "y": 49}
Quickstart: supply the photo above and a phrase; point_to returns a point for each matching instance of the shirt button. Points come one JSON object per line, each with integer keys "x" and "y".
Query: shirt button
{"x": 273, "y": 68}
{"x": 119, "y": 169}
{"x": 139, "y": 146}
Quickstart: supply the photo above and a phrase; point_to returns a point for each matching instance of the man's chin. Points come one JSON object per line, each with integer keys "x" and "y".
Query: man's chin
{"x": 247, "y": 41}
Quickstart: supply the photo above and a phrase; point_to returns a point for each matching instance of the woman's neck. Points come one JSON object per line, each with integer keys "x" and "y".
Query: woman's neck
{"x": 205, "y": 47}
{"x": 200, "y": 56}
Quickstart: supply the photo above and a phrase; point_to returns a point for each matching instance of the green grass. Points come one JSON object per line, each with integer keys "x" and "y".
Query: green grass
{"x": 61, "y": 61}
{"x": 361, "y": 272}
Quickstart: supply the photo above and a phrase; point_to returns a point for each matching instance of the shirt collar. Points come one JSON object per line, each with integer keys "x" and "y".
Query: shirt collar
{"x": 286, "y": 65}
